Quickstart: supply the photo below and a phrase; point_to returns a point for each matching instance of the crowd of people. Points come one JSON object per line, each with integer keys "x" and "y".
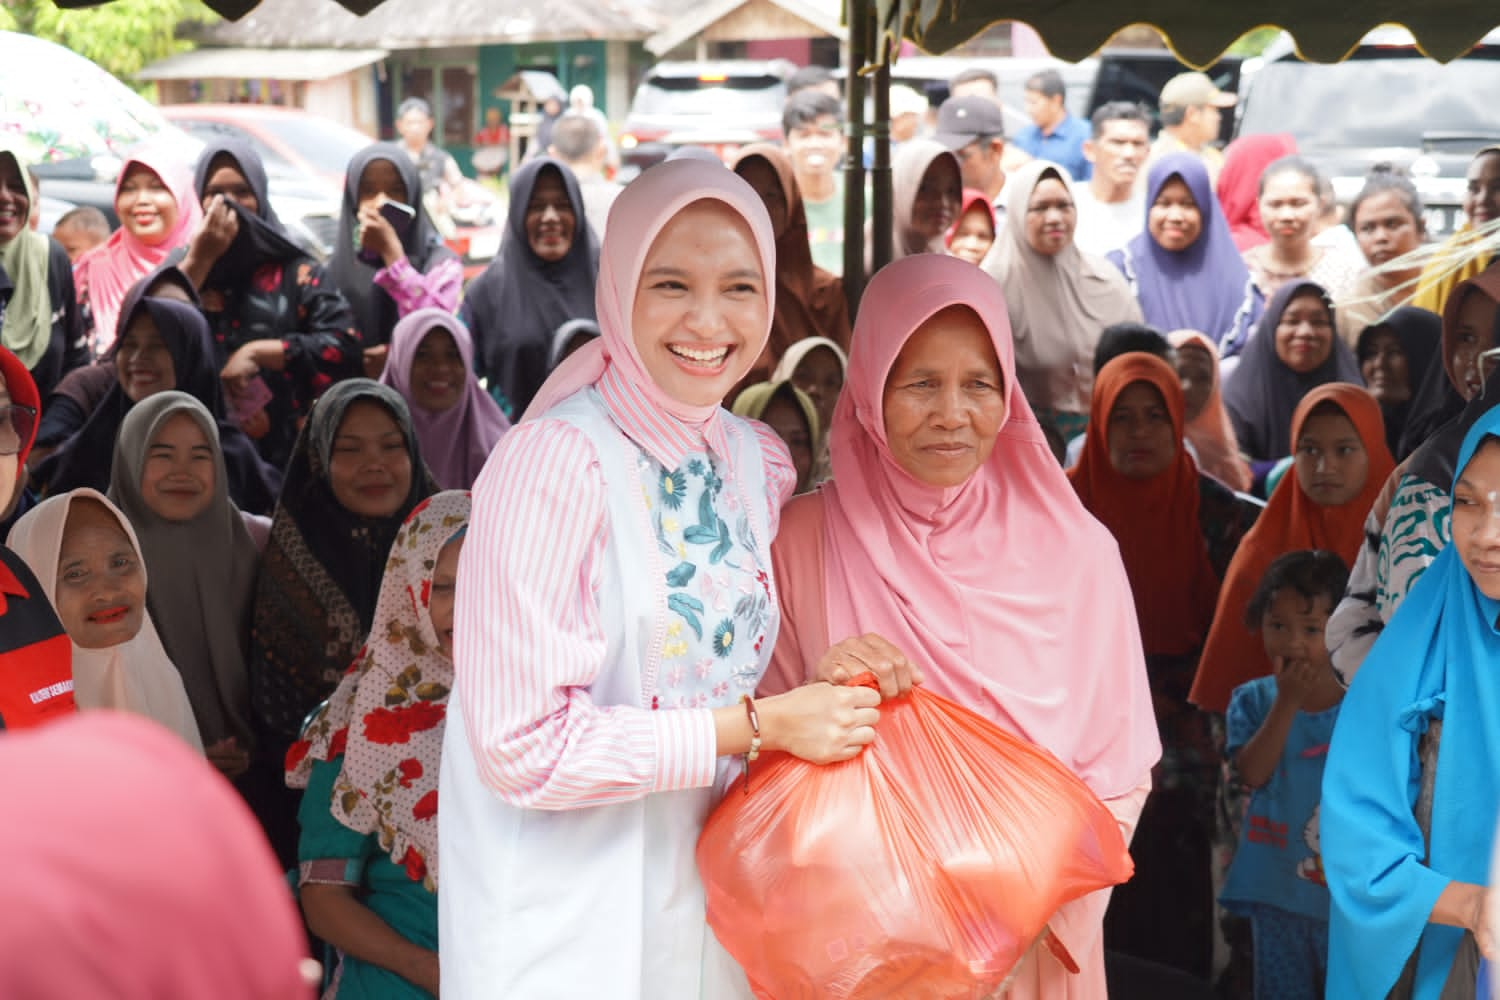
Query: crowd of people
{"x": 1151, "y": 455}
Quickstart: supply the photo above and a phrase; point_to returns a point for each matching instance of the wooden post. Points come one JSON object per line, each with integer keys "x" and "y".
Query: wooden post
{"x": 861, "y": 24}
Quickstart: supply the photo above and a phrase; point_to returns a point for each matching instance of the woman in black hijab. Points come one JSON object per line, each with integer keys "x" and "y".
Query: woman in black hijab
{"x": 1394, "y": 355}
{"x": 319, "y": 579}
{"x": 282, "y": 330}
{"x": 160, "y": 344}
{"x": 1294, "y": 350}
{"x": 67, "y": 407}
{"x": 543, "y": 277}
{"x": 386, "y": 274}
{"x": 1467, "y": 331}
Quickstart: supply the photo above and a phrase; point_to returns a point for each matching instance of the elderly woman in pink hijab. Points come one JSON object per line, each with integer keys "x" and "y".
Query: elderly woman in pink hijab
{"x": 158, "y": 211}
{"x": 431, "y": 364}
{"x": 615, "y": 612}
{"x": 949, "y": 550}
{"x": 140, "y": 873}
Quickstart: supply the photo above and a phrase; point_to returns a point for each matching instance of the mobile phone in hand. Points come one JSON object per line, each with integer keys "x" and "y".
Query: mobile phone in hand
{"x": 401, "y": 218}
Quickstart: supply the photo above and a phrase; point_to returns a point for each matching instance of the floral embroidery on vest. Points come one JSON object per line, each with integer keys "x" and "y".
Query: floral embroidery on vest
{"x": 718, "y": 592}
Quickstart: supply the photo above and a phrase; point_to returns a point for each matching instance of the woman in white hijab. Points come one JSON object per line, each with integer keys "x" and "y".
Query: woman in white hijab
{"x": 88, "y": 561}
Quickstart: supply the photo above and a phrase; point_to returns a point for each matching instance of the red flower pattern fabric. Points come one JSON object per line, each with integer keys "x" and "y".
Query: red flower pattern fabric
{"x": 386, "y": 716}
{"x": 415, "y": 864}
{"x": 411, "y": 770}
{"x": 397, "y": 725}
{"x": 267, "y": 278}
{"x": 295, "y": 753}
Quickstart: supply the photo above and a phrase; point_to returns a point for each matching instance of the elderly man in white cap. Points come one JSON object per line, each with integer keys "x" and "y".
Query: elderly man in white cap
{"x": 581, "y": 102}
{"x": 1191, "y": 111}
{"x": 908, "y": 118}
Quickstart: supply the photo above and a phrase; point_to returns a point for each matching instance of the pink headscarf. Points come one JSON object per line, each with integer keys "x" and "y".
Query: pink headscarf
{"x": 1006, "y": 592}
{"x": 637, "y": 216}
{"x": 1212, "y": 432}
{"x": 1238, "y": 186}
{"x": 110, "y": 269}
{"x": 456, "y": 441}
{"x": 137, "y": 872}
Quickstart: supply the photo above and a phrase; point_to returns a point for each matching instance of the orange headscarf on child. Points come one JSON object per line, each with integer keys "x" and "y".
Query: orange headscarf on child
{"x": 1291, "y": 521}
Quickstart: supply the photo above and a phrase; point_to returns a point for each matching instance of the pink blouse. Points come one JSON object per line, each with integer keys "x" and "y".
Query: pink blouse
{"x": 536, "y": 637}
{"x": 411, "y": 290}
{"x": 798, "y": 563}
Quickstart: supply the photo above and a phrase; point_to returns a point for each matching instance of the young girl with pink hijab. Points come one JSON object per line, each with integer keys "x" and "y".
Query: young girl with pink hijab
{"x": 615, "y": 612}
{"x": 1209, "y": 429}
{"x": 158, "y": 211}
{"x": 950, "y": 550}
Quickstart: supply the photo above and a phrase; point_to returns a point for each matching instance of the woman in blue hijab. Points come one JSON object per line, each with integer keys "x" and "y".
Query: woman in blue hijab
{"x": 1183, "y": 268}
{"x": 1412, "y": 785}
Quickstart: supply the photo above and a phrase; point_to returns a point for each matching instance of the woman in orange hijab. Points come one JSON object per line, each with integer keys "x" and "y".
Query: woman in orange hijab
{"x": 1340, "y": 461}
{"x": 1177, "y": 530}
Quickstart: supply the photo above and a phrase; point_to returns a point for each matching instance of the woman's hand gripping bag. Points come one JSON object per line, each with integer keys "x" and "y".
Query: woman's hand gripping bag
{"x": 922, "y": 869}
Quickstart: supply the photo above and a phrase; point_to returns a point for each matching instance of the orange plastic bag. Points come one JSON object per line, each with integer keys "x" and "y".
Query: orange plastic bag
{"x": 922, "y": 869}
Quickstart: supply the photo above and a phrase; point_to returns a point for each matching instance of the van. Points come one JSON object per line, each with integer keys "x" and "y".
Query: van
{"x": 719, "y": 105}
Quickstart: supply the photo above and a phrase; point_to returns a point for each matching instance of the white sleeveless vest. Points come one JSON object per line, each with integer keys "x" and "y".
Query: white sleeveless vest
{"x": 603, "y": 903}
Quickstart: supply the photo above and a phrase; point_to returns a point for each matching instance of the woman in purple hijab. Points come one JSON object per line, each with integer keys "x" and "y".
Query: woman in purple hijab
{"x": 1184, "y": 268}
{"x": 431, "y": 365}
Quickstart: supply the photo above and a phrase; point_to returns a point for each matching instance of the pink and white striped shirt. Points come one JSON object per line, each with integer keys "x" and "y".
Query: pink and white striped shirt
{"x": 529, "y": 641}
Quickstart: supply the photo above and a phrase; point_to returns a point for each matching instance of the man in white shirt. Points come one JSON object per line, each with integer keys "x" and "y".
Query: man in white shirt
{"x": 577, "y": 142}
{"x": 1112, "y": 205}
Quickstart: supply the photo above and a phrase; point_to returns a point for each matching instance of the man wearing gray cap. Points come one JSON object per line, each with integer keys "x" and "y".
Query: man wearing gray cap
{"x": 1191, "y": 110}
{"x": 974, "y": 128}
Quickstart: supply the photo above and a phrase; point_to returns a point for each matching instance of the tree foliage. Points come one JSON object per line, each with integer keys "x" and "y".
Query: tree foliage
{"x": 1254, "y": 42}
{"x": 122, "y": 36}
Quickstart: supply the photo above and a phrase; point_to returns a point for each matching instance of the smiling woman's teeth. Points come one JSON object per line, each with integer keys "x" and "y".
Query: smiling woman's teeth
{"x": 707, "y": 358}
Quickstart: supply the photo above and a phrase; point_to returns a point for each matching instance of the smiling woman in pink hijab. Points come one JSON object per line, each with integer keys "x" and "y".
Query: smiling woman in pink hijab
{"x": 158, "y": 211}
{"x": 431, "y": 364}
{"x": 950, "y": 549}
{"x": 614, "y": 607}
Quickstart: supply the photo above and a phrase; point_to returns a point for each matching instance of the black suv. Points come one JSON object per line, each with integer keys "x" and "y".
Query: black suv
{"x": 1386, "y": 103}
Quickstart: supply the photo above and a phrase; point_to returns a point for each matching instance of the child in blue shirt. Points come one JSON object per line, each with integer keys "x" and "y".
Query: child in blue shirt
{"x": 1279, "y": 728}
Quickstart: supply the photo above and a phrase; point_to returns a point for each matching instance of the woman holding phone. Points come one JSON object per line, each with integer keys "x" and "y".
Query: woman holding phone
{"x": 388, "y": 258}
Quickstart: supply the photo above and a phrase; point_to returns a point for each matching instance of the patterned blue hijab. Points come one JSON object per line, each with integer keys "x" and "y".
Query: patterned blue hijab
{"x": 1439, "y": 658}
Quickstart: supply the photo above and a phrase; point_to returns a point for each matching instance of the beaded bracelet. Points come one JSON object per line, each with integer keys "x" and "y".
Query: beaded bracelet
{"x": 754, "y": 751}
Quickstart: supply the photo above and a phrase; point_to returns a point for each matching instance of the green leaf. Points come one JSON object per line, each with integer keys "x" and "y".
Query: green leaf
{"x": 689, "y": 608}
{"x": 706, "y": 509}
{"x": 680, "y": 574}
{"x": 725, "y": 543}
